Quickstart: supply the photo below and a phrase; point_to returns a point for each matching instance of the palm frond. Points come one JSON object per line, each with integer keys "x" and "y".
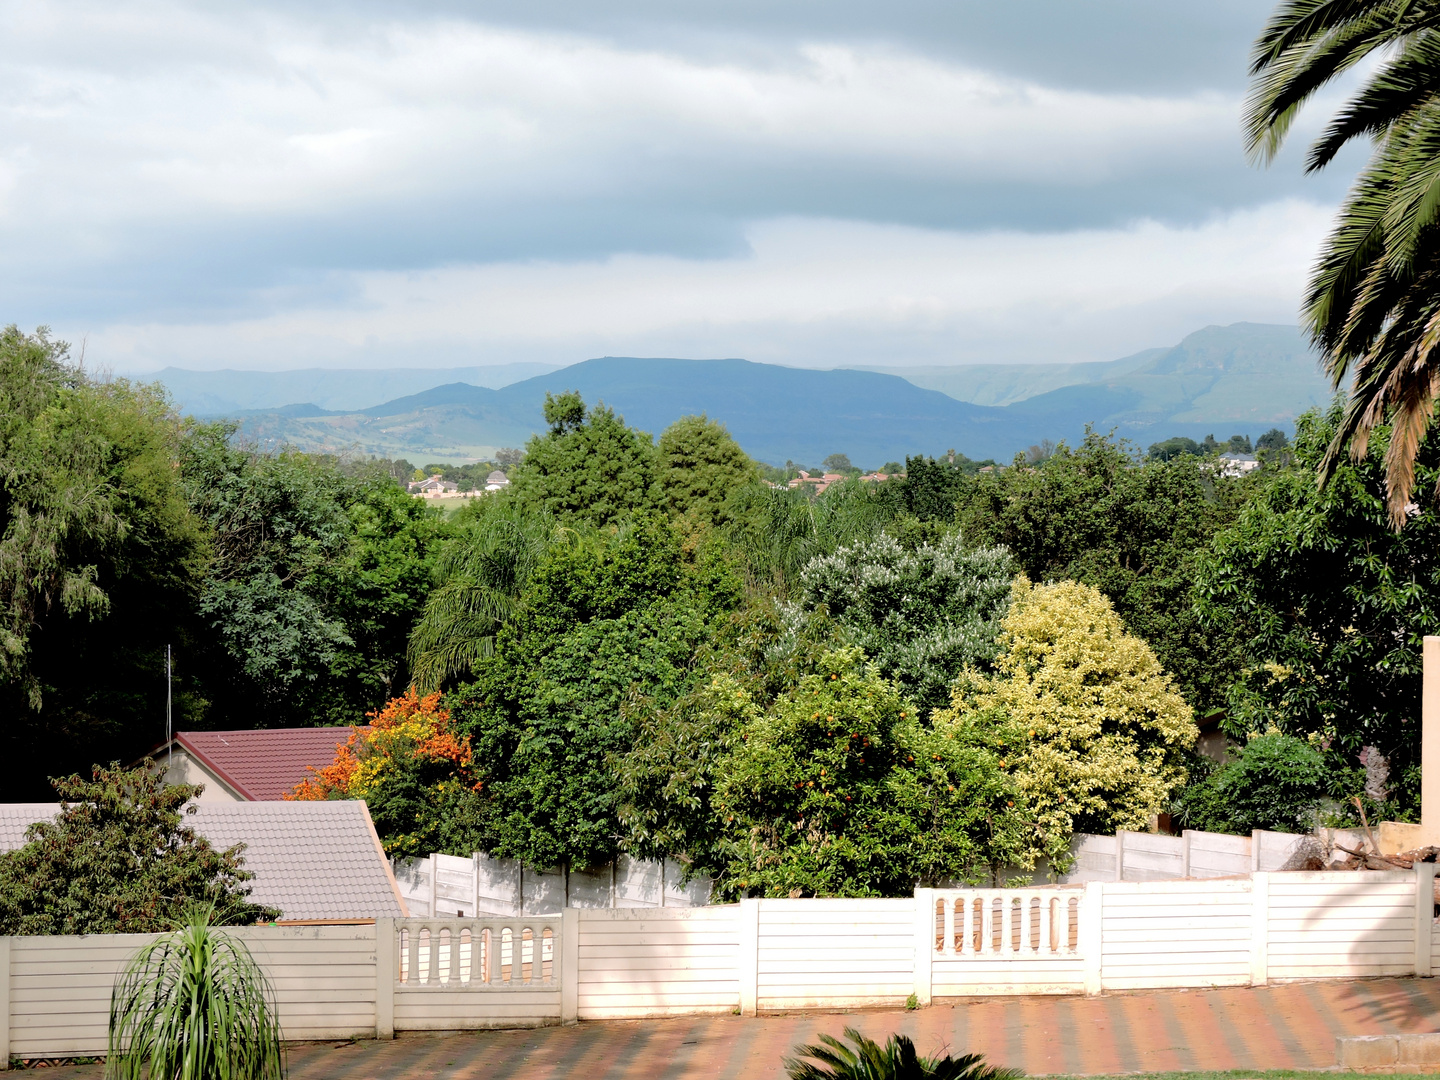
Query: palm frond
{"x": 897, "y": 1059}
{"x": 478, "y": 582}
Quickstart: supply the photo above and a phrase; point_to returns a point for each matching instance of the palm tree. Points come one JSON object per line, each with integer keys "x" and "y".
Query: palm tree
{"x": 896, "y": 1060}
{"x": 194, "y": 1005}
{"x": 1373, "y": 306}
{"x": 479, "y": 578}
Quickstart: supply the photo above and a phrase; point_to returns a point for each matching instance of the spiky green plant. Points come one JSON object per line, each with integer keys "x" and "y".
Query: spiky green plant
{"x": 194, "y": 1005}
{"x": 896, "y": 1060}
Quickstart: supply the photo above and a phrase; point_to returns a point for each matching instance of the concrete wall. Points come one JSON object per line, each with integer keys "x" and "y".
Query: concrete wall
{"x": 432, "y": 973}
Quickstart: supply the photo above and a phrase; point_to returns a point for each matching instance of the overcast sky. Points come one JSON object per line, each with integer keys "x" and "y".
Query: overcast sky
{"x": 817, "y": 183}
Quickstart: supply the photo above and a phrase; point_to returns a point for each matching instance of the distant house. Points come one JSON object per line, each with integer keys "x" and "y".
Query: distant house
{"x": 1237, "y": 464}
{"x": 877, "y": 477}
{"x": 818, "y": 482}
{"x": 247, "y": 766}
{"x": 496, "y": 481}
{"x": 433, "y": 488}
{"x": 314, "y": 861}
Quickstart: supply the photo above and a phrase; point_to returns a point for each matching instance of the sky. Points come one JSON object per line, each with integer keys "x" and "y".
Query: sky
{"x": 358, "y": 184}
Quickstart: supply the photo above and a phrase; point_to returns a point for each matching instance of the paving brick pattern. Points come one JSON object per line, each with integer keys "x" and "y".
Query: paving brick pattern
{"x": 1279, "y": 1027}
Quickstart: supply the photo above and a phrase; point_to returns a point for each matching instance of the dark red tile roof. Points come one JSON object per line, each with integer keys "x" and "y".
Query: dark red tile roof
{"x": 263, "y": 765}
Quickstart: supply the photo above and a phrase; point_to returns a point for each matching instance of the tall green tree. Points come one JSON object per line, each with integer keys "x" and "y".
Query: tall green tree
{"x": 587, "y": 468}
{"x": 480, "y": 576}
{"x": 605, "y": 630}
{"x": 100, "y": 560}
{"x": 1331, "y": 607}
{"x": 1373, "y": 303}
{"x": 698, "y": 468}
{"x": 314, "y": 584}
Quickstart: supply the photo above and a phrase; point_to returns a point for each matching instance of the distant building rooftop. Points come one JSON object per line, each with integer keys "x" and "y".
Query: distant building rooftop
{"x": 311, "y": 860}
{"x": 249, "y": 766}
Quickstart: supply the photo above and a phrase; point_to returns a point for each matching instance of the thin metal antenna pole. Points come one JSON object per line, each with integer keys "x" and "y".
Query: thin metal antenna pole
{"x": 169, "y": 735}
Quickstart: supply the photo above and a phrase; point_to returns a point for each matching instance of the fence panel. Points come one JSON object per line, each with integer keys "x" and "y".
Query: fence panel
{"x": 1217, "y": 855}
{"x": 453, "y": 974}
{"x": 1006, "y": 941}
{"x": 1094, "y": 859}
{"x": 1150, "y": 856}
{"x": 816, "y": 954}
{"x": 324, "y": 980}
{"x": 1329, "y": 925}
{"x": 1175, "y": 933}
{"x": 637, "y": 962}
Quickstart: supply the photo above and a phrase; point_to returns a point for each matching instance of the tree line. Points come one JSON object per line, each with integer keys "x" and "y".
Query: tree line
{"x": 642, "y": 646}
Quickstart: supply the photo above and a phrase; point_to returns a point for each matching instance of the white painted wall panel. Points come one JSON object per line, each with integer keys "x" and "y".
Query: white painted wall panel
{"x": 324, "y": 980}
{"x": 637, "y": 962}
{"x": 437, "y": 1009}
{"x": 1217, "y": 855}
{"x": 1150, "y": 857}
{"x": 799, "y": 940}
{"x": 972, "y": 977}
{"x": 1323, "y": 925}
{"x": 1178, "y": 933}
{"x": 1094, "y": 859}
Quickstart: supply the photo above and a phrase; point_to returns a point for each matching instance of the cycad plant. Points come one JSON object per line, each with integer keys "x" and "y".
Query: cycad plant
{"x": 896, "y": 1060}
{"x": 194, "y": 1005}
{"x": 1373, "y": 306}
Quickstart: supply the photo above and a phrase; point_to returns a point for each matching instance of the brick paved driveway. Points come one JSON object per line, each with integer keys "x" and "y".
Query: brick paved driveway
{"x": 1278, "y": 1027}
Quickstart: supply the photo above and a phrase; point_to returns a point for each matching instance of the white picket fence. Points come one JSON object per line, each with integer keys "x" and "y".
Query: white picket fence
{"x": 435, "y": 973}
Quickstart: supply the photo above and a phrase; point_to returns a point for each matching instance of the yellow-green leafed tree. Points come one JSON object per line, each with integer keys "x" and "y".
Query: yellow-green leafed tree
{"x": 1100, "y": 729}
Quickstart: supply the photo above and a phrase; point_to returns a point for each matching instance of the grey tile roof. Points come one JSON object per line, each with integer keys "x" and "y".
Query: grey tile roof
{"x": 312, "y": 860}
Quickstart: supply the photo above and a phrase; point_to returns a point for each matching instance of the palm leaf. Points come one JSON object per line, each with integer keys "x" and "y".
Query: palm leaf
{"x": 897, "y": 1059}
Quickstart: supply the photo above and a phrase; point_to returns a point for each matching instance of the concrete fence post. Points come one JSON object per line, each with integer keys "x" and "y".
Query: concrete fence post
{"x": 386, "y": 947}
{"x": 1255, "y": 845}
{"x": 1119, "y": 855}
{"x": 434, "y": 888}
{"x": 924, "y": 942}
{"x": 1185, "y": 835}
{"x": 1424, "y": 917}
{"x": 1259, "y": 927}
{"x": 749, "y": 956}
{"x": 5, "y": 944}
{"x": 1091, "y": 936}
{"x": 570, "y": 966}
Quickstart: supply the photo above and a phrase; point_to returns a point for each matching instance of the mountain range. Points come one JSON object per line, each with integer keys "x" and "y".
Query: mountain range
{"x": 1240, "y": 379}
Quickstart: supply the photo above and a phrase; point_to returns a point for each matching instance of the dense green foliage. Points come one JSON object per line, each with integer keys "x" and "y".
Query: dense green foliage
{"x": 607, "y": 628}
{"x": 839, "y": 789}
{"x": 119, "y": 858}
{"x": 194, "y": 1005}
{"x": 640, "y": 645}
{"x": 1133, "y": 529}
{"x": 1331, "y": 606}
{"x": 589, "y": 468}
{"x": 699, "y": 466}
{"x": 923, "y": 611}
{"x": 1273, "y": 782}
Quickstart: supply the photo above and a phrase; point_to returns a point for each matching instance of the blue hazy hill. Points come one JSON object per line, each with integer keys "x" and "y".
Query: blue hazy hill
{"x": 1240, "y": 379}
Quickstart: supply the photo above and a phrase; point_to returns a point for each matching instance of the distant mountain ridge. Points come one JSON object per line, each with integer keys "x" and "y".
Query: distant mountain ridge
{"x": 228, "y": 392}
{"x": 1240, "y": 379}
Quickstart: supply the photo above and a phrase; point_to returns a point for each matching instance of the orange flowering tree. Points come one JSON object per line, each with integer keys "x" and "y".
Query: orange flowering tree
{"x": 414, "y": 770}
